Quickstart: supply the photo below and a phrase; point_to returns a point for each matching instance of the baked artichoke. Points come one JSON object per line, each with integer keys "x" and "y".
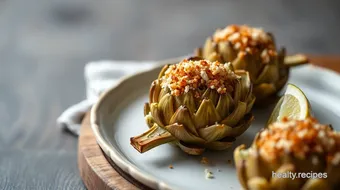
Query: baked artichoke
{"x": 253, "y": 50}
{"x": 304, "y": 148}
{"x": 198, "y": 105}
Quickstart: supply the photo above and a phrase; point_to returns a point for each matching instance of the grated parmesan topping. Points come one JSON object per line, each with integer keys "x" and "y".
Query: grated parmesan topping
{"x": 191, "y": 75}
{"x": 245, "y": 39}
{"x": 300, "y": 137}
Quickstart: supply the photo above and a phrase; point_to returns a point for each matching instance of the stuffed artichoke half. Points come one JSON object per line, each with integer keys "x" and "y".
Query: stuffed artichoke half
{"x": 198, "y": 105}
{"x": 304, "y": 148}
{"x": 253, "y": 50}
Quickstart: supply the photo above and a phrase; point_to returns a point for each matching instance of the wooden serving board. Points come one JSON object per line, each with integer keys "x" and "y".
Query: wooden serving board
{"x": 99, "y": 172}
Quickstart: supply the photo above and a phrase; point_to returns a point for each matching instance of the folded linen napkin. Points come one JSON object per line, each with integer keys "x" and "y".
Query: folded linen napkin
{"x": 99, "y": 76}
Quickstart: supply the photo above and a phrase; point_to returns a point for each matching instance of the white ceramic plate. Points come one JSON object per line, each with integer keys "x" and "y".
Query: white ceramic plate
{"x": 119, "y": 115}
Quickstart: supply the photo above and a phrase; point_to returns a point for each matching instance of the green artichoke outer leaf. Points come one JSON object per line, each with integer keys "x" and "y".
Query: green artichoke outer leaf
{"x": 155, "y": 136}
{"x": 245, "y": 84}
{"x": 236, "y": 115}
{"x": 242, "y": 126}
{"x": 163, "y": 92}
{"x": 181, "y": 133}
{"x": 206, "y": 114}
{"x": 333, "y": 174}
{"x": 258, "y": 183}
{"x": 227, "y": 52}
{"x": 146, "y": 109}
{"x": 295, "y": 60}
{"x": 149, "y": 120}
{"x": 208, "y": 48}
{"x": 250, "y": 103}
{"x": 161, "y": 73}
{"x": 219, "y": 145}
{"x": 269, "y": 74}
{"x": 156, "y": 114}
{"x": 214, "y": 132}
{"x": 224, "y": 105}
{"x": 285, "y": 183}
{"x": 264, "y": 90}
{"x": 190, "y": 149}
{"x": 240, "y": 157}
{"x": 211, "y": 95}
{"x": 316, "y": 184}
{"x": 239, "y": 63}
{"x": 183, "y": 116}
{"x": 166, "y": 106}
{"x": 237, "y": 92}
{"x": 187, "y": 100}
{"x": 255, "y": 166}
{"x": 154, "y": 91}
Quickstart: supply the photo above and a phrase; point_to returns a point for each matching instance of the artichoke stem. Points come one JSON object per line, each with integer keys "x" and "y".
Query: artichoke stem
{"x": 155, "y": 136}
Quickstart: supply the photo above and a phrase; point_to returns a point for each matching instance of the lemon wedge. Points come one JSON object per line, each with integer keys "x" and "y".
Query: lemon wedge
{"x": 292, "y": 105}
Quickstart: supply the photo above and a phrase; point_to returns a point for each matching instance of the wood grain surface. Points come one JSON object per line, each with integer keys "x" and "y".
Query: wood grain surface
{"x": 99, "y": 172}
{"x": 44, "y": 46}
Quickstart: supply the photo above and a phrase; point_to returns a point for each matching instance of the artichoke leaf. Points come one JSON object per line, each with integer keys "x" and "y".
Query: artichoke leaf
{"x": 269, "y": 74}
{"x": 236, "y": 115}
{"x": 239, "y": 63}
{"x": 285, "y": 183}
{"x": 242, "y": 127}
{"x": 316, "y": 184}
{"x": 240, "y": 164}
{"x": 183, "y": 116}
{"x": 245, "y": 84}
{"x": 258, "y": 183}
{"x": 154, "y": 91}
{"x": 206, "y": 114}
{"x": 163, "y": 92}
{"x": 146, "y": 109}
{"x": 211, "y": 94}
{"x": 221, "y": 144}
{"x": 208, "y": 48}
{"x": 163, "y": 71}
{"x": 149, "y": 120}
{"x": 189, "y": 102}
{"x": 250, "y": 103}
{"x": 190, "y": 149}
{"x": 214, "y": 132}
{"x": 224, "y": 105}
{"x": 181, "y": 133}
{"x": 156, "y": 114}
{"x": 264, "y": 90}
{"x": 227, "y": 51}
{"x": 166, "y": 106}
{"x": 237, "y": 92}
{"x": 294, "y": 60}
{"x": 155, "y": 136}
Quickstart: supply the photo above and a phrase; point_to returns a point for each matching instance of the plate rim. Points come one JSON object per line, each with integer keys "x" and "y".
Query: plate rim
{"x": 116, "y": 157}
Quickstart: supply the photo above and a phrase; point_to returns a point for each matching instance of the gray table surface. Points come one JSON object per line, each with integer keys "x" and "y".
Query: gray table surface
{"x": 44, "y": 46}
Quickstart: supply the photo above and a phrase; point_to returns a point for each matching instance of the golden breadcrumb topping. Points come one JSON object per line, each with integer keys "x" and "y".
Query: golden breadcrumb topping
{"x": 300, "y": 137}
{"x": 245, "y": 39}
{"x": 191, "y": 75}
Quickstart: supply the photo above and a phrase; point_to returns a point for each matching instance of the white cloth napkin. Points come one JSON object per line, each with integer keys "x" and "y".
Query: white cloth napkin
{"x": 99, "y": 76}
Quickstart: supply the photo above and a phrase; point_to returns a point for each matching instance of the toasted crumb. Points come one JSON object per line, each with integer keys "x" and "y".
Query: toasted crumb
{"x": 300, "y": 137}
{"x": 171, "y": 167}
{"x": 208, "y": 174}
{"x": 189, "y": 75}
{"x": 247, "y": 39}
{"x": 205, "y": 160}
{"x": 230, "y": 161}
